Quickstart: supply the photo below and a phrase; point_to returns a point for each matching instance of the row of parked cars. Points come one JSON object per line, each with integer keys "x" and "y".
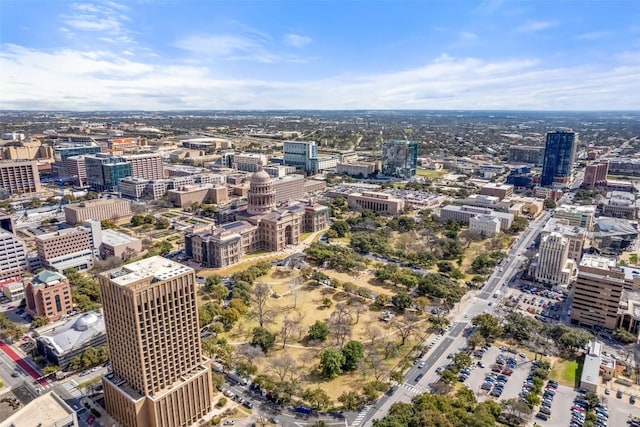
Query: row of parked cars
{"x": 579, "y": 413}
{"x": 547, "y": 397}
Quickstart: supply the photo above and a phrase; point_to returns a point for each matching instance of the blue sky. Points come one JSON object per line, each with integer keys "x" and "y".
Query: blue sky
{"x": 350, "y": 54}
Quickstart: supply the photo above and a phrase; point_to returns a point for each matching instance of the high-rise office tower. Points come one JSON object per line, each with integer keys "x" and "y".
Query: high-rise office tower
{"x": 160, "y": 377}
{"x": 400, "y": 158}
{"x": 559, "y": 157}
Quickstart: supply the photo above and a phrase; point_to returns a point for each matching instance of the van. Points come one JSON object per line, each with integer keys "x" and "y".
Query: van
{"x": 545, "y": 411}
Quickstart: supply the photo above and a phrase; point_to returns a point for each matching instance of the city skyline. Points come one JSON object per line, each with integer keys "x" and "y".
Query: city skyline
{"x": 320, "y": 55}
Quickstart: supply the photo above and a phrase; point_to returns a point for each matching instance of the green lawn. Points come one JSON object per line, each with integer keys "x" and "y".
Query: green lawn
{"x": 567, "y": 372}
{"x": 633, "y": 258}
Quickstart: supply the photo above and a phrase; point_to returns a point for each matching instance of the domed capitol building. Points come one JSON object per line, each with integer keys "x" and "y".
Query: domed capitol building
{"x": 261, "y": 226}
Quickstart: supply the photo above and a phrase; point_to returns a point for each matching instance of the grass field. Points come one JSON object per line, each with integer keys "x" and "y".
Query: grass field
{"x": 567, "y": 372}
{"x": 431, "y": 174}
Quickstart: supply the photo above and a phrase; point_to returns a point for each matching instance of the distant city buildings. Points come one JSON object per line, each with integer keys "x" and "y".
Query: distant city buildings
{"x": 300, "y": 154}
{"x": 526, "y": 154}
{"x": 399, "y": 158}
{"x": 62, "y": 152}
{"x": 559, "y": 157}
{"x": 104, "y": 171}
{"x": 159, "y": 375}
{"x": 595, "y": 175}
{"x": 145, "y": 166}
{"x": 19, "y": 177}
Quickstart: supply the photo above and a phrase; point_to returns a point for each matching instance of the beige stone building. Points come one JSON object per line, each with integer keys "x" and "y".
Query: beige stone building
{"x": 261, "y": 227}
{"x": 147, "y": 166}
{"x": 382, "y": 203}
{"x": 188, "y": 195}
{"x": 159, "y": 376}
{"x": 99, "y": 210}
{"x": 68, "y": 248}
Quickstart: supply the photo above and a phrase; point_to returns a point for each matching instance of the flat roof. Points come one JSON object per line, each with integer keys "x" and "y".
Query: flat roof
{"x": 156, "y": 267}
{"x": 47, "y": 410}
{"x": 591, "y": 368}
{"x": 597, "y": 261}
{"x": 94, "y": 202}
{"x": 115, "y": 238}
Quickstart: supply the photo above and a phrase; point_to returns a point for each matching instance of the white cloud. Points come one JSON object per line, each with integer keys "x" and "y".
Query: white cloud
{"x": 234, "y": 47}
{"x": 468, "y": 36}
{"x": 596, "y": 35}
{"x": 96, "y": 79}
{"x": 296, "y": 40}
{"x": 534, "y": 26}
{"x": 107, "y": 18}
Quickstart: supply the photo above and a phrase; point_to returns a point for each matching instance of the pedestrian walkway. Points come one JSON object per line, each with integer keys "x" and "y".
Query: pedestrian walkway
{"x": 363, "y": 413}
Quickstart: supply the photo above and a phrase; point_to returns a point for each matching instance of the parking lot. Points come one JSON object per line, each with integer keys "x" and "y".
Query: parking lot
{"x": 512, "y": 383}
{"x": 544, "y": 304}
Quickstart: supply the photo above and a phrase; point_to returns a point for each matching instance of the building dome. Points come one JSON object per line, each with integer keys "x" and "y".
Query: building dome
{"x": 262, "y": 195}
{"x": 85, "y": 321}
{"x": 260, "y": 177}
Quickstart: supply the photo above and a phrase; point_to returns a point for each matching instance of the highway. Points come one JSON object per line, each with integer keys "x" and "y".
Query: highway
{"x": 453, "y": 340}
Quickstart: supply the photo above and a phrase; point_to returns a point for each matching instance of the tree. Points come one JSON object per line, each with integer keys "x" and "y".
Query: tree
{"x": 350, "y": 400}
{"x": 462, "y": 360}
{"x": 517, "y": 408}
{"x": 519, "y": 224}
{"x": 259, "y": 297}
{"x": 407, "y": 327}
{"x": 294, "y": 284}
{"x": 574, "y": 339}
{"x": 331, "y": 362}
{"x": 162, "y": 223}
{"x": 39, "y": 321}
{"x": 283, "y": 366}
{"x": 263, "y": 338}
{"x": 341, "y": 228}
{"x": 352, "y": 352}
{"x": 289, "y": 326}
{"x": 382, "y": 300}
{"x": 317, "y": 398}
{"x": 475, "y": 340}
{"x": 624, "y": 336}
{"x": 549, "y": 203}
{"x": 137, "y": 220}
{"x": 401, "y": 301}
{"x": 107, "y": 224}
{"x": 359, "y": 309}
{"x": 488, "y": 325}
{"x": 318, "y": 331}
{"x": 48, "y": 370}
{"x": 212, "y": 281}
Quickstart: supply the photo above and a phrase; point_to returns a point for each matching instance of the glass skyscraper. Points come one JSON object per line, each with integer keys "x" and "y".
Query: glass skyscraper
{"x": 559, "y": 157}
{"x": 400, "y": 158}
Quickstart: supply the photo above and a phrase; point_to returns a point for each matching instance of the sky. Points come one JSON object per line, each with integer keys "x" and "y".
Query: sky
{"x": 306, "y": 54}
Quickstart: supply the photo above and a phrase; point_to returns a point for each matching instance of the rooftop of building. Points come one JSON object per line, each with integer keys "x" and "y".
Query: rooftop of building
{"x": 560, "y": 226}
{"x": 591, "y": 367}
{"x": 47, "y": 409}
{"x": 62, "y": 232}
{"x": 94, "y": 203}
{"x": 48, "y": 277}
{"x": 71, "y": 333}
{"x": 582, "y": 209}
{"x": 609, "y": 225}
{"x": 155, "y": 267}
{"x": 630, "y": 303}
{"x": 115, "y": 238}
{"x": 597, "y": 261}
{"x": 486, "y": 218}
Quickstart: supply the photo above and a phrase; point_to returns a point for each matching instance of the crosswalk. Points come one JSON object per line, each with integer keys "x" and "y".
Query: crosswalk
{"x": 363, "y": 413}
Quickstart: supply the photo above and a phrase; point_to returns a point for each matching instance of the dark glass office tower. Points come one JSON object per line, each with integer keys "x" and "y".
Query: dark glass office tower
{"x": 559, "y": 156}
